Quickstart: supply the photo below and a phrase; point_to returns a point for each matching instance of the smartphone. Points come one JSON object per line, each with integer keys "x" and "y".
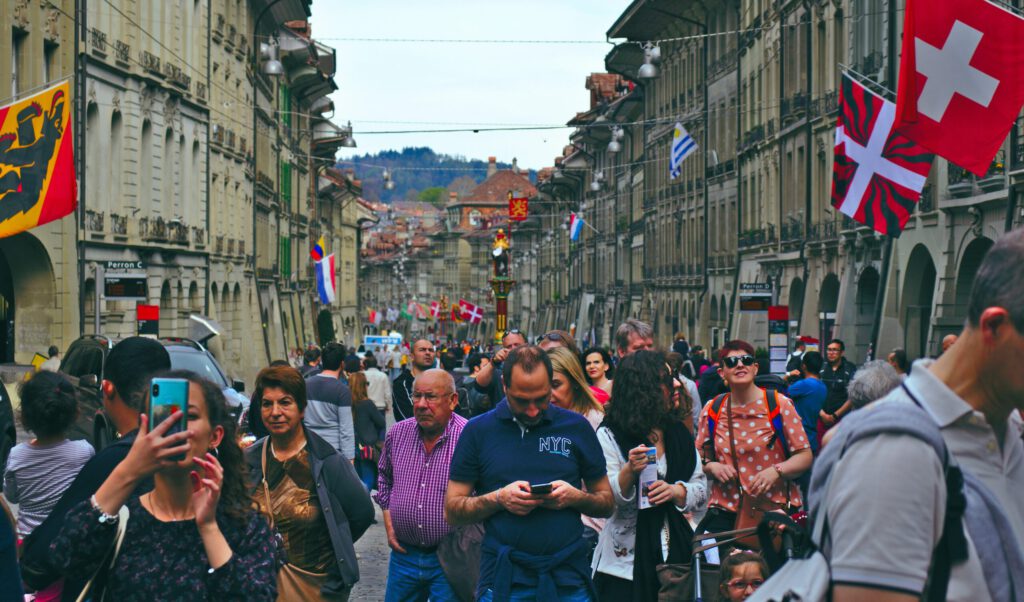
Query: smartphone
{"x": 167, "y": 396}
{"x": 540, "y": 489}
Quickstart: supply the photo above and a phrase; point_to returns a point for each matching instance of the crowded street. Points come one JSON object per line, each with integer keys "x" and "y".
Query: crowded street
{"x": 576, "y": 301}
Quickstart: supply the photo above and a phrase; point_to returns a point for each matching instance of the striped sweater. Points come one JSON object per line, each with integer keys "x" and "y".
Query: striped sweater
{"x": 37, "y": 475}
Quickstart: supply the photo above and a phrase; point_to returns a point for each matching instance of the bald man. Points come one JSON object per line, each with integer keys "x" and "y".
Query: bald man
{"x": 421, "y": 360}
{"x": 947, "y": 342}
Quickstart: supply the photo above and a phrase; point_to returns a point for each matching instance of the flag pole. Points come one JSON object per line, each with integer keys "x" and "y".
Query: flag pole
{"x": 867, "y": 80}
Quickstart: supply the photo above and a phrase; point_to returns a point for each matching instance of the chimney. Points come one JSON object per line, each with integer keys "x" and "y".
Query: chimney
{"x": 453, "y": 197}
{"x": 492, "y": 166}
{"x": 515, "y": 166}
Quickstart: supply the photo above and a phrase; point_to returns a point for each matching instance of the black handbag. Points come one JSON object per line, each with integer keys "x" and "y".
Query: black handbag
{"x": 459, "y": 555}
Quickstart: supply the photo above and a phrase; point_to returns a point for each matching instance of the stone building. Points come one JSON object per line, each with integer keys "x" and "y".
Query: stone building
{"x": 39, "y": 284}
{"x": 192, "y": 160}
{"x": 756, "y": 84}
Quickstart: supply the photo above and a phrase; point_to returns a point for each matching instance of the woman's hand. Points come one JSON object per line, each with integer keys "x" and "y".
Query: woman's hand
{"x": 763, "y": 481}
{"x": 637, "y": 460}
{"x": 206, "y": 490}
{"x": 661, "y": 492}
{"x": 152, "y": 450}
{"x": 723, "y": 473}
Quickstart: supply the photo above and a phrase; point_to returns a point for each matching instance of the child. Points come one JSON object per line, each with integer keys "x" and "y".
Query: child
{"x": 38, "y": 472}
{"x": 742, "y": 573}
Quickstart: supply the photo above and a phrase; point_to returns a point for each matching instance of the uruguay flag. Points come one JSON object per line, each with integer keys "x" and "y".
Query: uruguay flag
{"x": 325, "y": 281}
{"x": 575, "y": 227}
{"x": 683, "y": 145}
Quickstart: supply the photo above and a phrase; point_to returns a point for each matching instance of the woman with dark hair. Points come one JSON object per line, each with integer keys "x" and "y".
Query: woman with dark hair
{"x": 40, "y": 471}
{"x": 641, "y": 427}
{"x": 308, "y": 491}
{"x": 756, "y": 454}
{"x": 369, "y": 423}
{"x": 195, "y": 536}
{"x": 597, "y": 363}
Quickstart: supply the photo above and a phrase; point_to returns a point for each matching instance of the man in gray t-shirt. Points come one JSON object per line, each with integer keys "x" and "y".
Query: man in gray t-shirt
{"x": 329, "y": 406}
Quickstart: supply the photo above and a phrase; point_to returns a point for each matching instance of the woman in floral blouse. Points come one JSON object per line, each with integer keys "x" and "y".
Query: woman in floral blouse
{"x": 195, "y": 536}
{"x": 766, "y": 472}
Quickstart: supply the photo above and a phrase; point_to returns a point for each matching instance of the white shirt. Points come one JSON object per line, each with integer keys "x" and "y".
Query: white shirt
{"x": 614, "y": 553}
{"x": 378, "y": 387}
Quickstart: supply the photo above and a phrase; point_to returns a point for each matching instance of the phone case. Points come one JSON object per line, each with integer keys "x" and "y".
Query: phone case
{"x": 166, "y": 396}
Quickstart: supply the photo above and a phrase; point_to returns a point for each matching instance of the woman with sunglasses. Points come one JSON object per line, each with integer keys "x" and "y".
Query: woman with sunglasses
{"x": 746, "y": 458}
{"x": 642, "y": 427}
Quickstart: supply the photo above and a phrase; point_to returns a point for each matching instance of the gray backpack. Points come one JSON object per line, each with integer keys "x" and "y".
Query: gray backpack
{"x": 809, "y": 578}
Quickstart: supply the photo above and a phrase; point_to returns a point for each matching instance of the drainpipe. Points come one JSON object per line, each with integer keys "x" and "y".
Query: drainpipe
{"x": 809, "y": 158}
{"x": 707, "y": 115}
{"x": 206, "y": 304}
{"x": 739, "y": 170}
{"x": 887, "y": 250}
{"x": 80, "y": 16}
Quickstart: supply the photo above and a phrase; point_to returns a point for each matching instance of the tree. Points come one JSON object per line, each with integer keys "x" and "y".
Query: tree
{"x": 435, "y": 195}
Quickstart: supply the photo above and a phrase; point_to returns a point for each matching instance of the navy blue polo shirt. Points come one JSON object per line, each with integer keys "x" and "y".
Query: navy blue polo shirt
{"x": 494, "y": 450}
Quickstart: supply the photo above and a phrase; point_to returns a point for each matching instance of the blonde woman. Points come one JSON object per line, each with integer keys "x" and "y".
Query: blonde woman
{"x": 569, "y": 388}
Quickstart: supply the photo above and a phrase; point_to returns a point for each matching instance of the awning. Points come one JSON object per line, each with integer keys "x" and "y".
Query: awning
{"x": 202, "y": 328}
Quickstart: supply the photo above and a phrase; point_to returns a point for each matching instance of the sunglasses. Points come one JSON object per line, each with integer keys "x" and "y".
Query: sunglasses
{"x": 513, "y": 331}
{"x": 551, "y": 336}
{"x": 734, "y": 360}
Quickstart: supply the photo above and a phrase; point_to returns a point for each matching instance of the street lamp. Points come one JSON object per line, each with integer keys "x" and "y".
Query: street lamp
{"x": 271, "y": 66}
{"x": 349, "y": 141}
{"x": 652, "y": 55}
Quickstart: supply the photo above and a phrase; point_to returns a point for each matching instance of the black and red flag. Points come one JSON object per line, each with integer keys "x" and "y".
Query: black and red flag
{"x": 878, "y": 174}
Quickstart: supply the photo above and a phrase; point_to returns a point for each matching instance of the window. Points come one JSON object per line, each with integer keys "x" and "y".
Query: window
{"x": 18, "y": 74}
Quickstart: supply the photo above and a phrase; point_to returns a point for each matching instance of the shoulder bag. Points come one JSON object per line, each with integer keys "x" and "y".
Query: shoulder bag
{"x": 95, "y": 588}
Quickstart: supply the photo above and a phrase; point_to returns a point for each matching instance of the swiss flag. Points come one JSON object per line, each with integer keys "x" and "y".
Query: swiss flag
{"x": 878, "y": 173}
{"x": 474, "y": 314}
{"x": 961, "y": 82}
{"x": 435, "y": 308}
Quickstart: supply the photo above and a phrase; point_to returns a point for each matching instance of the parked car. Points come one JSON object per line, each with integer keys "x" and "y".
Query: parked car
{"x": 187, "y": 354}
{"x": 8, "y": 431}
{"x": 84, "y": 365}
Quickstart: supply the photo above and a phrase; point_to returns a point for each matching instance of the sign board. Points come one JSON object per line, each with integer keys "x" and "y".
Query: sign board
{"x": 372, "y": 341}
{"x": 124, "y": 266}
{"x": 148, "y": 317}
{"x": 756, "y": 302}
{"x": 125, "y": 287}
{"x": 778, "y": 348}
{"x": 756, "y": 287}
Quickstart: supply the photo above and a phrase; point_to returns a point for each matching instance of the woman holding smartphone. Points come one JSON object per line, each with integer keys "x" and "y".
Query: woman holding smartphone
{"x": 641, "y": 427}
{"x": 195, "y": 536}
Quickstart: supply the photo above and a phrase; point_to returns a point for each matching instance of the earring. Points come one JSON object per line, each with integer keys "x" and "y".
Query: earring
{"x": 216, "y": 454}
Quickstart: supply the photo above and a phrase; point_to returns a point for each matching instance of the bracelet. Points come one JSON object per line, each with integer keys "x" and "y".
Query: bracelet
{"x": 778, "y": 469}
{"x": 105, "y": 519}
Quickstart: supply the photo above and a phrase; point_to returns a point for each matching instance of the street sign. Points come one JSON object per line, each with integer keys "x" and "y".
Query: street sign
{"x": 756, "y": 287}
{"x": 148, "y": 319}
{"x": 778, "y": 345}
{"x": 125, "y": 287}
{"x": 124, "y": 266}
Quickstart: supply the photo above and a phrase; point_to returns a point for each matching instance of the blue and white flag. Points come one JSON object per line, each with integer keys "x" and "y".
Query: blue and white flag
{"x": 683, "y": 145}
{"x": 575, "y": 227}
{"x": 325, "y": 280}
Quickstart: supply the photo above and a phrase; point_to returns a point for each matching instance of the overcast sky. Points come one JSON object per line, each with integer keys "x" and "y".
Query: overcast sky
{"x": 505, "y": 83}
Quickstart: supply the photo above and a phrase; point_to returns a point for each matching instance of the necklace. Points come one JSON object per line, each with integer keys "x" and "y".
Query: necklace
{"x": 290, "y": 456}
{"x": 157, "y": 511}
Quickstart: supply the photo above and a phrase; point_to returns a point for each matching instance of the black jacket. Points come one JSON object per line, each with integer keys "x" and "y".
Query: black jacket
{"x": 401, "y": 395}
{"x": 345, "y": 502}
{"x": 836, "y": 381}
{"x": 369, "y": 422}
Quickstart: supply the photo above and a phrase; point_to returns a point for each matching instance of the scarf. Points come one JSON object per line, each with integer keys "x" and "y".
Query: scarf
{"x": 681, "y": 459}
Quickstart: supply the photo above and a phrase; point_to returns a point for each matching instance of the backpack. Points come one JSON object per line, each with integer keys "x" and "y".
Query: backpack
{"x": 774, "y": 416}
{"x": 809, "y": 577}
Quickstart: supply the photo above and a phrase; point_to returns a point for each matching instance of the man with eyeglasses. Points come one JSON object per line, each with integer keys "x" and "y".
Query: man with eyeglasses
{"x": 521, "y": 469}
{"x": 488, "y": 379}
{"x": 836, "y": 376}
{"x": 421, "y": 359}
{"x": 411, "y": 487}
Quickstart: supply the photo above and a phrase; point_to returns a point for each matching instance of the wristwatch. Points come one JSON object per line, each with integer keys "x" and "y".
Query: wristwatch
{"x": 105, "y": 519}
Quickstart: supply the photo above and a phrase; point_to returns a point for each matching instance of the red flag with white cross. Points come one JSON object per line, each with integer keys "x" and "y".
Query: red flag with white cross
{"x": 961, "y": 83}
{"x": 879, "y": 173}
{"x": 474, "y": 314}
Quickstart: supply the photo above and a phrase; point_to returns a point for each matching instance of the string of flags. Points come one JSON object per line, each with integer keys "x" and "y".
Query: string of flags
{"x": 463, "y": 311}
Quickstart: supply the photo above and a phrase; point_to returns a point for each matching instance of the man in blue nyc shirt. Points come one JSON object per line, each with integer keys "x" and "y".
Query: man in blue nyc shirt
{"x": 533, "y": 549}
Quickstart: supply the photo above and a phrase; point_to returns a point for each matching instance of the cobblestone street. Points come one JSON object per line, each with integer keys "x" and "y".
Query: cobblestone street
{"x": 373, "y": 551}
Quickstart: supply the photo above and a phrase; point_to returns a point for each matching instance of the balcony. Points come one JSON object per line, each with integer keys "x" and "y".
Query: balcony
{"x": 757, "y": 237}
{"x": 177, "y": 76}
{"x": 793, "y": 107}
{"x": 960, "y": 182}
{"x": 177, "y": 232}
{"x": 119, "y": 224}
{"x": 826, "y": 231}
{"x": 198, "y": 236}
{"x": 93, "y": 221}
{"x": 751, "y": 137}
{"x": 153, "y": 230}
{"x": 150, "y": 62}
{"x": 995, "y": 178}
{"x": 791, "y": 231}
{"x": 218, "y": 29}
{"x": 98, "y": 41}
{"x": 122, "y": 53}
{"x": 872, "y": 65}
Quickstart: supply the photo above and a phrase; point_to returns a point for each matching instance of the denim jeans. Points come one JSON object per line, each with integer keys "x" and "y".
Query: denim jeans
{"x": 522, "y": 593}
{"x": 417, "y": 576}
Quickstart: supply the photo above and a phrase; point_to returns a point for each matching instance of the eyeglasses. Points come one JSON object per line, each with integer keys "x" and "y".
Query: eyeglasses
{"x": 734, "y": 360}
{"x": 739, "y": 584}
{"x": 430, "y": 398}
{"x": 833, "y": 349}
